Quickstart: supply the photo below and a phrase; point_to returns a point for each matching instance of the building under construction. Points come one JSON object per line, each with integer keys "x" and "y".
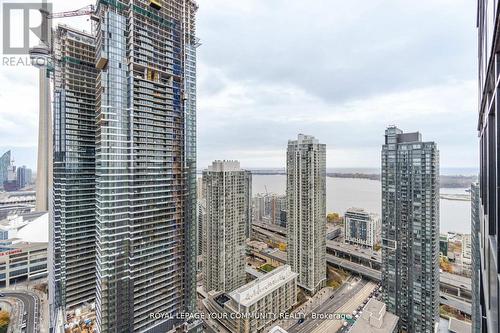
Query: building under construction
{"x": 124, "y": 226}
{"x": 73, "y": 228}
{"x": 145, "y": 163}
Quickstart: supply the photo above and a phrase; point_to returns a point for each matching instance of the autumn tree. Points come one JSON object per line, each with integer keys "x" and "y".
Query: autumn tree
{"x": 333, "y": 218}
{"x": 4, "y": 319}
{"x": 445, "y": 265}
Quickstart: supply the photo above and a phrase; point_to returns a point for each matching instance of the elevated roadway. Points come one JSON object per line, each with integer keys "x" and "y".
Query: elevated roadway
{"x": 367, "y": 263}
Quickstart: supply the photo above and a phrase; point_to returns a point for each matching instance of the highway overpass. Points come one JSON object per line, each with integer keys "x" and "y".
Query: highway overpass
{"x": 367, "y": 263}
{"x": 374, "y": 275}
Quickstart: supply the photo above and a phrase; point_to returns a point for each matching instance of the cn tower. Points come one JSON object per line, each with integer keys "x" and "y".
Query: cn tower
{"x": 41, "y": 58}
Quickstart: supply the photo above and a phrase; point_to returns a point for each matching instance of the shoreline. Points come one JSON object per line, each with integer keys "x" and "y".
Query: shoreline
{"x": 446, "y": 181}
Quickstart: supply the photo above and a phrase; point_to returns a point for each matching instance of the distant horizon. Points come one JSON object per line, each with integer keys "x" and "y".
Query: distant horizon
{"x": 448, "y": 171}
{"x": 24, "y": 156}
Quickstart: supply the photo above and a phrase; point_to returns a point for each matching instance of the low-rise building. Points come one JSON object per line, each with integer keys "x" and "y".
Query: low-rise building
{"x": 466, "y": 249}
{"x": 23, "y": 248}
{"x": 443, "y": 245}
{"x": 22, "y": 261}
{"x": 375, "y": 319}
{"x": 256, "y": 246}
{"x": 361, "y": 228}
{"x": 255, "y": 305}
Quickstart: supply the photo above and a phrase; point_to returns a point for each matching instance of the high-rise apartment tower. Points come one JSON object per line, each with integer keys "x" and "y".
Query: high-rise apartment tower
{"x": 306, "y": 206}
{"x": 410, "y": 229}
{"x": 227, "y": 215}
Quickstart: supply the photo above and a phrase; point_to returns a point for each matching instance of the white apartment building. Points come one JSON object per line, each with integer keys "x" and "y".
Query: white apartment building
{"x": 361, "y": 228}
{"x": 225, "y": 225}
{"x": 306, "y": 216}
{"x": 466, "y": 249}
{"x": 254, "y": 306}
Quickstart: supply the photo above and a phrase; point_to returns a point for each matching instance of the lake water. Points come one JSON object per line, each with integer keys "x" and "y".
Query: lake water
{"x": 344, "y": 193}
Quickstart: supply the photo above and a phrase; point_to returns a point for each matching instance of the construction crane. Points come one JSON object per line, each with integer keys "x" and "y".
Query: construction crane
{"x": 44, "y": 50}
{"x": 88, "y": 10}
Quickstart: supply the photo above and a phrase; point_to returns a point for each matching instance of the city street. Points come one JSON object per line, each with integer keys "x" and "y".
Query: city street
{"x": 348, "y": 307}
{"x": 347, "y": 291}
{"x": 30, "y": 306}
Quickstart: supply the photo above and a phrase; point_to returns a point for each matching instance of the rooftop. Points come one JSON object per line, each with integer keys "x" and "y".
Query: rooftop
{"x": 31, "y": 227}
{"x": 459, "y": 326}
{"x": 375, "y": 319}
{"x": 221, "y": 166}
{"x": 356, "y": 210}
{"x": 251, "y": 292}
{"x": 360, "y": 211}
{"x": 304, "y": 139}
{"x": 16, "y": 197}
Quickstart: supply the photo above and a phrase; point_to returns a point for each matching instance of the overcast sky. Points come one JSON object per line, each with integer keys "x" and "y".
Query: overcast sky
{"x": 339, "y": 70}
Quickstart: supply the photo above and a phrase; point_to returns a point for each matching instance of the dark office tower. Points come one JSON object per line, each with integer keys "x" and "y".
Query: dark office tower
{"x": 476, "y": 258}
{"x": 489, "y": 181}
{"x": 145, "y": 163}
{"x": 72, "y": 280}
{"x": 23, "y": 176}
{"x": 410, "y": 230}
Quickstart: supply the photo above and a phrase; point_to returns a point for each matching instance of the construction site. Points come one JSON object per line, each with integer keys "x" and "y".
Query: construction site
{"x": 81, "y": 320}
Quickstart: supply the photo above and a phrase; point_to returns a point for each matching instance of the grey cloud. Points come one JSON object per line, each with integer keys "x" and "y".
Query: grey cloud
{"x": 390, "y": 46}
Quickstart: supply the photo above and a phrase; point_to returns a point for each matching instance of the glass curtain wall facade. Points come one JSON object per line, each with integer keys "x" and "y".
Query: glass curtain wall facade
{"x": 191, "y": 42}
{"x": 489, "y": 165}
{"x": 476, "y": 258}
{"x": 4, "y": 167}
{"x": 410, "y": 230}
{"x": 146, "y": 157}
{"x": 73, "y": 227}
